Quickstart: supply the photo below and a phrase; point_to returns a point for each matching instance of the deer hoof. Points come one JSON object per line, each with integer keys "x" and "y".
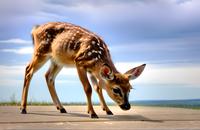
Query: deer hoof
{"x": 94, "y": 115}
{"x": 109, "y": 113}
{"x": 23, "y": 111}
{"x": 62, "y": 110}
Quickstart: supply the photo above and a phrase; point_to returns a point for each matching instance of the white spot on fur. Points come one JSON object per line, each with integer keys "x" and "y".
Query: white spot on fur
{"x": 93, "y": 51}
{"x": 96, "y": 59}
{"x": 81, "y": 39}
{"x": 99, "y": 56}
{"x": 93, "y": 42}
{"x": 101, "y": 48}
{"x": 89, "y": 53}
{"x": 48, "y": 39}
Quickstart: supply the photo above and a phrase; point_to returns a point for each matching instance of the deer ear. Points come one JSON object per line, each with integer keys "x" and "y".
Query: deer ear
{"x": 106, "y": 72}
{"x": 135, "y": 72}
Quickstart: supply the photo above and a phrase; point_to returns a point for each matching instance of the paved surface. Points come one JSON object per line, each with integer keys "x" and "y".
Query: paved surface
{"x": 138, "y": 118}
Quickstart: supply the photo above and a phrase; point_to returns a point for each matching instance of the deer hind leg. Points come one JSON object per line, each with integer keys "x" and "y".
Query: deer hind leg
{"x": 50, "y": 76}
{"x": 32, "y": 67}
{"x": 88, "y": 90}
{"x": 100, "y": 94}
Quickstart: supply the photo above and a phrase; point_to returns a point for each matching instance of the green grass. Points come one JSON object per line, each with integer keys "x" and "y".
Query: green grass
{"x": 14, "y": 102}
{"x": 189, "y": 104}
{"x": 37, "y": 103}
{"x": 33, "y": 103}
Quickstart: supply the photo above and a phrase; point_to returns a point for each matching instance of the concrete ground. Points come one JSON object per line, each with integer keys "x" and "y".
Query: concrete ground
{"x": 138, "y": 118}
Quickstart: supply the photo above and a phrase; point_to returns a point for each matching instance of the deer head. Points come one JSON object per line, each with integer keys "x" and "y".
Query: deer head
{"x": 117, "y": 85}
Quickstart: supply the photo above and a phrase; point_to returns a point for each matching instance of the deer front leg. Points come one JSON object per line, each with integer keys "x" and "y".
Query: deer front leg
{"x": 50, "y": 79}
{"x": 33, "y": 66}
{"x": 88, "y": 90}
{"x": 100, "y": 94}
{"x": 103, "y": 103}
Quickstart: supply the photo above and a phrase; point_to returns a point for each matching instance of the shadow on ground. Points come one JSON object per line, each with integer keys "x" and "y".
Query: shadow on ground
{"x": 101, "y": 117}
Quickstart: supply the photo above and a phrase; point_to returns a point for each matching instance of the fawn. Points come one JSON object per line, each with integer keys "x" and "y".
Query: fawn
{"x": 68, "y": 44}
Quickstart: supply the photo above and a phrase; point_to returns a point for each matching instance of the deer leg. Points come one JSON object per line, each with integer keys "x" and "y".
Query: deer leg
{"x": 100, "y": 94}
{"x": 88, "y": 90}
{"x": 50, "y": 76}
{"x": 32, "y": 67}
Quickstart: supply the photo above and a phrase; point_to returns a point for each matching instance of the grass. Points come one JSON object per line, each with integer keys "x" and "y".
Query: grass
{"x": 38, "y": 103}
{"x": 191, "y": 105}
{"x": 16, "y": 103}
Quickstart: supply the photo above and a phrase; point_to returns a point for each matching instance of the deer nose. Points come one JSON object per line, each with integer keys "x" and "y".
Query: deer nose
{"x": 125, "y": 106}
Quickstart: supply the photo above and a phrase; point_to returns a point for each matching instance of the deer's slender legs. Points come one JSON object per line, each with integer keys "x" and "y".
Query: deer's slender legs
{"x": 88, "y": 90}
{"x": 50, "y": 75}
{"x": 100, "y": 94}
{"x": 32, "y": 67}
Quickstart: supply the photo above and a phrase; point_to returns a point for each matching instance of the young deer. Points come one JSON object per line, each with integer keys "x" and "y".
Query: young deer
{"x": 68, "y": 44}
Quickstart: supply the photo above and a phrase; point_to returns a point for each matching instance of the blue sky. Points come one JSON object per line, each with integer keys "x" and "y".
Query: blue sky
{"x": 164, "y": 34}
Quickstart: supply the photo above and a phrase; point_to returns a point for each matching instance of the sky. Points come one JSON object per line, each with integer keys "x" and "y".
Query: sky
{"x": 164, "y": 34}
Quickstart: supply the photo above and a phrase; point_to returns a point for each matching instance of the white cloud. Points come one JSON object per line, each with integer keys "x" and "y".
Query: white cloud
{"x": 14, "y": 75}
{"x": 16, "y": 71}
{"x": 23, "y": 50}
{"x": 11, "y": 71}
{"x": 16, "y": 41}
{"x": 66, "y": 81}
{"x": 68, "y": 71}
{"x": 176, "y": 75}
{"x": 10, "y": 82}
{"x": 155, "y": 74}
{"x": 11, "y": 75}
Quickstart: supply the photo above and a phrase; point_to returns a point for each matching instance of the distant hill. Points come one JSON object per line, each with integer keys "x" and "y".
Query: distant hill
{"x": 188, "y": 103}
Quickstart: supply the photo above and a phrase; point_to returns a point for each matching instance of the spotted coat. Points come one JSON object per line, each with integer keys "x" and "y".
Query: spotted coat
{"x": 78, "y": 44}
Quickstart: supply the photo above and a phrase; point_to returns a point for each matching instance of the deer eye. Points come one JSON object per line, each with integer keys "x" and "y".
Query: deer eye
{"x": 117, "y": 91}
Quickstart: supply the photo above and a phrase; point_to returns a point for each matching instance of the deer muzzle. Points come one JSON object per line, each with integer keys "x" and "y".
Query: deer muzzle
{"x": 125, "y": 106}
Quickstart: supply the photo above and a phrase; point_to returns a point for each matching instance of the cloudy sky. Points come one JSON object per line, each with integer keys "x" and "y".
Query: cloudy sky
{"x": 164, "y": 34}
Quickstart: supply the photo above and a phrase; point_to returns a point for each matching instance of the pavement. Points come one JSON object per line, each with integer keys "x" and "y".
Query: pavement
{"x": 138, "y": 118}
